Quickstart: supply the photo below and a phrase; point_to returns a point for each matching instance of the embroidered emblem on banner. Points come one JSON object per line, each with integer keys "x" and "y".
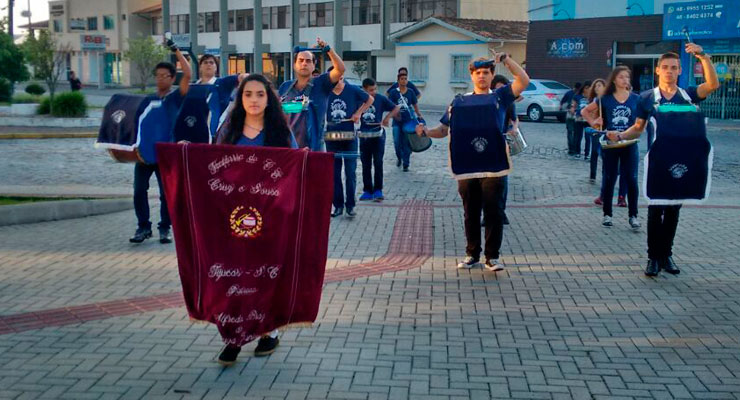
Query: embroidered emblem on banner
{"x": 479, "y": 144}
{"x": 118, "y": 116}
{"x": 245, "y": 222}
{"x": 190, "y": 121}
{"x": 678, "y": 170}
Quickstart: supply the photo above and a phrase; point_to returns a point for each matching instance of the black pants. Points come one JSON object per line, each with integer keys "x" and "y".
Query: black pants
{"x": 570, "y": 126}
{"x": 662, "y": 224}
{"x": 142, "y": 175}
{"x": 371, "y": 154}
{"x": 578, "y": 137}
{"x": 483, "y": 194}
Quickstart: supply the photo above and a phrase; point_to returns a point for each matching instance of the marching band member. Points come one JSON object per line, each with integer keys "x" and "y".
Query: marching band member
{"x": 480, "y": 164}
{"x": 406, "y": 98}
{"x": 308, "y": 125}
{"x": 373, "y": 148}
{"x": 347, "y": 103}
{"x": 164, "y": 74}
{"x": 618, "y": 112}
{"x": 257, "y": 119}
{"x": 663, "y": 219}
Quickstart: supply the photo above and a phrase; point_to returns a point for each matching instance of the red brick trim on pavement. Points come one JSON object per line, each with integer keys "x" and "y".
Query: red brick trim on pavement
{"x": 411, "y": 245}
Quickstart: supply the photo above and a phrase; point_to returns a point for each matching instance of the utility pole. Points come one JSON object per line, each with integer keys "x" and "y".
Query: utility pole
{"x": 10, "y": 18}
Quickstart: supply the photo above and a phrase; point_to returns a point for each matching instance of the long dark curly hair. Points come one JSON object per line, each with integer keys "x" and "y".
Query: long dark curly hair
{"x": 276, "y": 130}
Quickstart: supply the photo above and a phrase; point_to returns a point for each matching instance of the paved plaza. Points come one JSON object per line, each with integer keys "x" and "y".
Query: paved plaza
{"x": 86, "y": 315}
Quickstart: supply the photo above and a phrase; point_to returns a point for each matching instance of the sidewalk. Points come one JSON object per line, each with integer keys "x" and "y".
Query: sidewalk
{"x": 87, "y": 315}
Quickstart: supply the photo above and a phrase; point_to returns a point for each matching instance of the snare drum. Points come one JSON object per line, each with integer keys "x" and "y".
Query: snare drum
{"x": 516, "y": 142}
{"x": 366, "y": 135}
{"x": 409, "y": 127}
{"x": 605, "y": 144}
{"x": 335, "y": 136}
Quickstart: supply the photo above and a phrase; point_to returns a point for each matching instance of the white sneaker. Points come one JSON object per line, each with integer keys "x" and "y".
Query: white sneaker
{"x": 494, "y": 265}
{"x": 468, "y": 262}
{"x": 635, "y": 223}
{"x": 607, "y": 221}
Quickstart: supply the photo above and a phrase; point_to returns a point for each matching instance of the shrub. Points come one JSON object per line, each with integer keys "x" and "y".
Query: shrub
{"x": 25, "y": 98}
{"x": 69, "y": 104}
{"x": 44, "y": 106}
{"x": 5, "y": 90}
{"x": 35, "y": 88}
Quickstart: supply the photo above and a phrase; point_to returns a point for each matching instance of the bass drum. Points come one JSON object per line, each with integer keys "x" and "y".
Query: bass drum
{"x": 419, "y": 143}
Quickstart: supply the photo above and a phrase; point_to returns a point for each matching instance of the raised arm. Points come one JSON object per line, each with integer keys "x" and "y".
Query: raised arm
{"x": 710, "y": 74}
{"x": 338, "y": 71}
{"x": 521, "y": 79}
{"x": 187, "y": 73}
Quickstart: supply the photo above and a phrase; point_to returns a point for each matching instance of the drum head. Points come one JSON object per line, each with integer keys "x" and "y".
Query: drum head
{"x": 617, "y": 145}
{"x": 419, "y": 144}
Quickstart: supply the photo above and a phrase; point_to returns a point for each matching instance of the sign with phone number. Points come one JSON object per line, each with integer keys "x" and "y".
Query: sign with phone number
{"x": 715, "y": 19}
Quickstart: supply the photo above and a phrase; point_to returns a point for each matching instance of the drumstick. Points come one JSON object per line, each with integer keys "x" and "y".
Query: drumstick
{"x": 373, "y": 123}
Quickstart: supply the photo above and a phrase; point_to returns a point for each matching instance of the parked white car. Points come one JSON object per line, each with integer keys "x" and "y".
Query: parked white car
{"x": 541, "y": 99}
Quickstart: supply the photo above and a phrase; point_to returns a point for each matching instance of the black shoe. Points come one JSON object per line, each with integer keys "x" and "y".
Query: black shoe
{"x": 337, "y": 212}
{"x": 141, "y": 235}
{"x": 398, "y": 163}
{"x": 669, "y": 266}
{"x": 165, "y": 236}
{"x": 351, "y": 212}
{"x": 405, "y": 168}
{"x": 228, "y": 356}
{"x": 652, "y": 268}
{"x": 266, "y": 346}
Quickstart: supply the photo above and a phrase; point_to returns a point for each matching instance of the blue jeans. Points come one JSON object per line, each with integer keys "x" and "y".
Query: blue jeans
{"x": 402, "y": 145}
{"x": 588, "y": 142}
{"x": 371, "y": 154}
{"x": 342, "y": 198}
{"x": 595, "y": 151}
{"x": 625, "y": 160}
{"x": 142, "y": 175}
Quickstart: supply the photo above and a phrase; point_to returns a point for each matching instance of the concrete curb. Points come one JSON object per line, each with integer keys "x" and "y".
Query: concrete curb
{"x": 51, "y": 122}
{"x": 63, "y": 209}
{"x": 48, "y": 135}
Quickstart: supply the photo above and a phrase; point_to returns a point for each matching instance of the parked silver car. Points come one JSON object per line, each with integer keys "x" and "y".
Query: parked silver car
{"x": 542, "y": 99}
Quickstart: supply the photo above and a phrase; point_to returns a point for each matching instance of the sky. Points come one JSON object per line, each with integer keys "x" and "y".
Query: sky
{"x": 39, "y": 11}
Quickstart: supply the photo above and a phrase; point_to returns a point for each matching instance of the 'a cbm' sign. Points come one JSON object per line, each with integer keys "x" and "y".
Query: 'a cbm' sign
{"x": 567, "y": 48}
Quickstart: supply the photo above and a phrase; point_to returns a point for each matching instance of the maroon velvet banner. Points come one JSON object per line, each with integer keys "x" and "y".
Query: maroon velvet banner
{"x": 251, "y": 228}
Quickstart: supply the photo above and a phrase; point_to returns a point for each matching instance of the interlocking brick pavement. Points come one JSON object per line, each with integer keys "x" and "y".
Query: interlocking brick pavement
{"x": 572, "y": 316}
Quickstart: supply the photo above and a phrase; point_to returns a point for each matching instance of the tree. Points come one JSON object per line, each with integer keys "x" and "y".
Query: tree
{"x": 11, "y": 57}
{"x": 144, "y": 54}
{"x": 47, "y": 57}
{"x": 359, "y": 68}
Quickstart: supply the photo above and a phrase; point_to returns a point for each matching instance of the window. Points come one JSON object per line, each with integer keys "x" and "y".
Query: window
{"x": 554, "y": 85}
{"x": 460, "y": 68}
{"x": 417, "y": 10}
{"x": 418, "y": 68}
{"x": 365, "y": 12}
{"x": 108, "y": 22}
{"x": 232, "y": 20}
{"x": 283, "y": 17}
{"x": 77, "y": 24}
{"x": 57, "y": 25}
{"x": 531, "y": 87}
{"x": 317, "y": 14}
{"x": 347, "y": 12}
{"x": 183, "y": 23}
{"x": 208, "y": 22}
{"x": 157, "y": 26}
{"x": 92, "y": 23}
{"x": 244, "y": 20}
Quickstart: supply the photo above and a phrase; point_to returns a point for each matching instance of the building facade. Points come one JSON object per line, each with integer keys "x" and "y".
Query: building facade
{"x": 577, "y": 40}
{"x": 438, "y": 50}
{"x": 259, "y": 35}
{"x": 97, "y": 32}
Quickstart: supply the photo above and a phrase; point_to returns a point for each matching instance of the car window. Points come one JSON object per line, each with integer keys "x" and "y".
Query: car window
{"x": 554, "y": 85}
{"x": 531, "y": 87}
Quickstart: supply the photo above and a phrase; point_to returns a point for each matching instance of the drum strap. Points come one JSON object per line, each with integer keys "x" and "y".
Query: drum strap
{"x": 657, "y": 96}
{"x": 405, "y": 103}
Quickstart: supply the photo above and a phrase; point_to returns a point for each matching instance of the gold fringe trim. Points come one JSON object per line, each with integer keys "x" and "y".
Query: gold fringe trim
{"x": 198, "y": 321}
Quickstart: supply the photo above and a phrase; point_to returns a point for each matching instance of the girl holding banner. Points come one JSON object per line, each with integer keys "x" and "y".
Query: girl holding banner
{"x": 256, "y": 120}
